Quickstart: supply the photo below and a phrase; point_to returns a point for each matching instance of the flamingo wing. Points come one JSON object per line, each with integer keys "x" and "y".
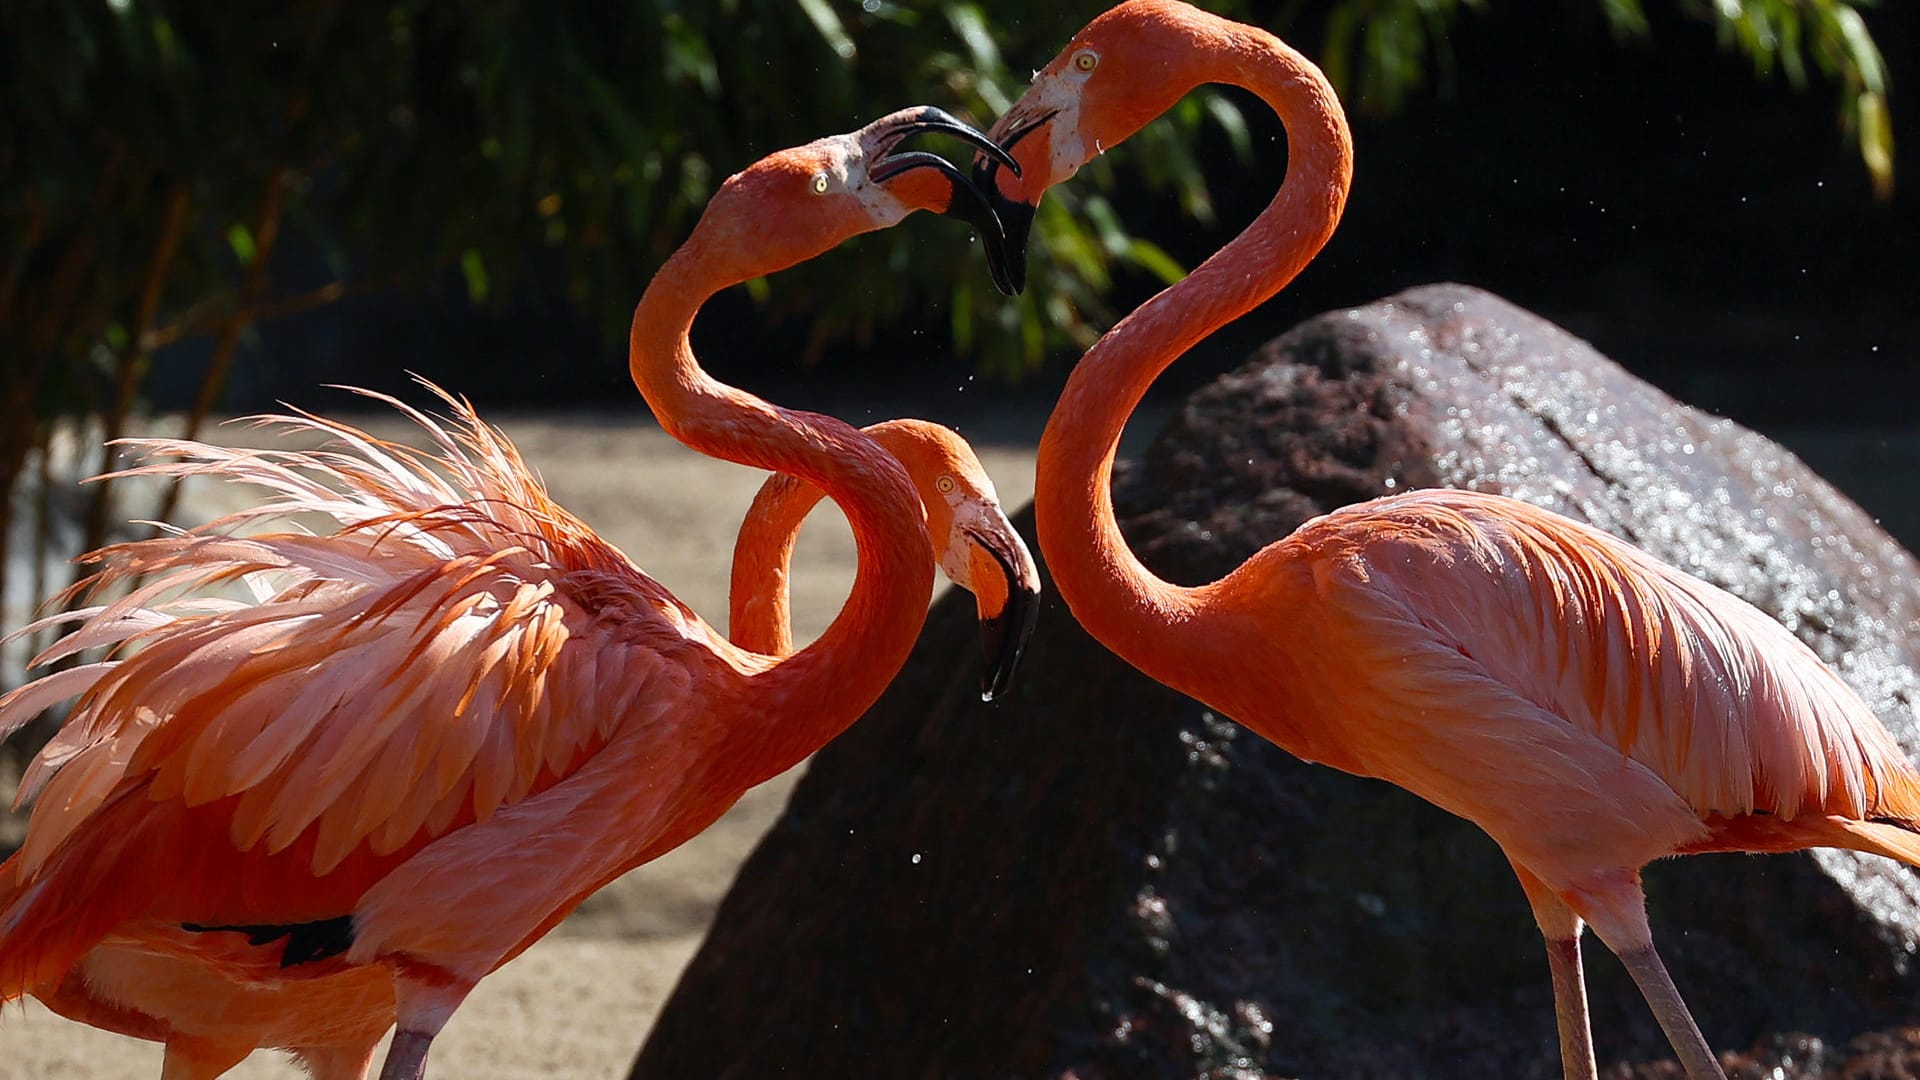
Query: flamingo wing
{"x": 452, "y": 645}
{"x": 1717, "y": 700}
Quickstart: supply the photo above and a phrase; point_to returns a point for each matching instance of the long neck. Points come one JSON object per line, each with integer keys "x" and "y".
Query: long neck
{"x": 812, "y": 695}
{"x": 1117, "y": 599}
{"x": 760, "y": 597}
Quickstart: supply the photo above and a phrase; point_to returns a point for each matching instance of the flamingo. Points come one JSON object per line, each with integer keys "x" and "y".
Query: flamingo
{"x": 213, "y": 1000}
{"x": 1589, "y": 707}
{"x": 458, "y": 714}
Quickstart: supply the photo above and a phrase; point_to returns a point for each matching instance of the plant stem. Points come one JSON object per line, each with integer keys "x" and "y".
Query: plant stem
{"x": 266, "y": 232}
{"x": 131, "y": 365}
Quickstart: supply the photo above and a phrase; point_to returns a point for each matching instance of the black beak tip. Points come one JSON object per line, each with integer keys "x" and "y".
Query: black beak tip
{"x": 1008, "y": 259}
{"x": 1004, "y": 640}
{"x": 1009, "y": 273}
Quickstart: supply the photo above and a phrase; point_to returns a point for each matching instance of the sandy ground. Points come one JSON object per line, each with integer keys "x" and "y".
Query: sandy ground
{"x": 579, "y": 1003}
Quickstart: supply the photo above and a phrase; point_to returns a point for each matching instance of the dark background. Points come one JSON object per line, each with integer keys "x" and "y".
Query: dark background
{"x": 1711, "y": 230}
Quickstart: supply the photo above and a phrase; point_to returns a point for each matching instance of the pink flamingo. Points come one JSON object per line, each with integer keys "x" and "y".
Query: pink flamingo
{"x": 1589, "y": 707}
{"x": 461, "y": 713}
{"x": 214, "y": 999}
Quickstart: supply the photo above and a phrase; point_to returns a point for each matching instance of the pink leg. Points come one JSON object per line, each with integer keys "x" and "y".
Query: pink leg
{"x": 407, "y": 1057}
{"x": 1664, "y": 998}
{"x": 1561, "y": 929}
{"x": 424, "y": 999}
{"x": 1617, "y": 911}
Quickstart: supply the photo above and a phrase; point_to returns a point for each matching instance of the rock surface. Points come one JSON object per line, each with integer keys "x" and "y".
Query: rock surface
{"x": 1101, "y": 879}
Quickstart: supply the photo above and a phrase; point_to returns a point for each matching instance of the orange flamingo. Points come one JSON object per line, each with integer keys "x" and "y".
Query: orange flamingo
{"x": 1589, "y": 707}
{"x": 214, "y": 999}
{"x": 460, "y": 713}
{"x": 973, "y": 542}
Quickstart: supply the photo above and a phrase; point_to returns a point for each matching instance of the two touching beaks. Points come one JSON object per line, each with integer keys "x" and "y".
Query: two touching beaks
{"x": 1002, "y": 222}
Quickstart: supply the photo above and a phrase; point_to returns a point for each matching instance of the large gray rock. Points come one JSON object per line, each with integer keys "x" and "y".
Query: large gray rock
{"x": 1101, "y": 879}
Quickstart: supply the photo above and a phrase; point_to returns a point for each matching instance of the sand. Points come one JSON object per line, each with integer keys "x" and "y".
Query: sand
{"x": 579, "y": 1003}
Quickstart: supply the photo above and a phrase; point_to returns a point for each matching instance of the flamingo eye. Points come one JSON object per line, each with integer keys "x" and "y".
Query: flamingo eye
{"x": 945, "y": 485}
{"x": 821, "y": 182}
{"x": 1086, "y": 60}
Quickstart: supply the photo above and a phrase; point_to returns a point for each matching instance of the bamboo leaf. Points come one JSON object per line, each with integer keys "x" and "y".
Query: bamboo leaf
{"x": 820, "y": 13}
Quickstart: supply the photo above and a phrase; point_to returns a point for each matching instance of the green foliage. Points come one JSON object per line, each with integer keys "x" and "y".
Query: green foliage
{"x": 1378, "y": 52}
{"x": 413, "y": 137}
{"x": 152, "y": 153}
{"x": 1784, "y": 34}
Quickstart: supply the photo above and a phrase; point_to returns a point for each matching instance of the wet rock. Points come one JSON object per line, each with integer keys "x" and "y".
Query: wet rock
{"x": 1100, "y": 879}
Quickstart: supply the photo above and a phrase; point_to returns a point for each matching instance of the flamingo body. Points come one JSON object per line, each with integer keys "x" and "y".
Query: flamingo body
{"x": 1589, "y": 707}
{"x": 1500, "y": 660}
{"x": 331, "y": 694}
{"x": 215, "y": 997}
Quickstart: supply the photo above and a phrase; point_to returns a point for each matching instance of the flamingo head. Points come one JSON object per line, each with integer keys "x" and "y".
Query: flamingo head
{"x": 974, "y": 543}
{"x": 797, "y": 203}
{"x": 1123, "y": 69}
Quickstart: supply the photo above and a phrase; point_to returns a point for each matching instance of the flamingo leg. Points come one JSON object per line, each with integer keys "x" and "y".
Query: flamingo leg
{"x": 1664, "y": 998}
{"x": 1561, "y": 929}
{"x": 1570, "y": 1009}
{"x": 407, "y": 1057}
{"x": 1617, "y": 911}
{"x": 424, "y": 999}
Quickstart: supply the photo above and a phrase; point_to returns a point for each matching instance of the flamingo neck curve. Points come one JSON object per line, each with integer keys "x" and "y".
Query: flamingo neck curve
{"x": 760, "y": 594}
{"x": 1119, "y": 601}
{"x": 811, "y": 696}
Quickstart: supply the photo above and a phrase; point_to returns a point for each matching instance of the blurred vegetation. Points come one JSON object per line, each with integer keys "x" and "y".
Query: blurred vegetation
{"x": 155, "y": 154}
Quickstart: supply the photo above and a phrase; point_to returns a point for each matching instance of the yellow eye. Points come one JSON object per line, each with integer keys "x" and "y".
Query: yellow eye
{"x": 1086, "y": 60}
{"x": 821, "y": 182}
{"x": 945, "y": 485}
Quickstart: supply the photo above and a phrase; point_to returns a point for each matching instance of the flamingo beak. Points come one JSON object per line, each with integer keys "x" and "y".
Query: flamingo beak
{"x": 964, "y": 200}
{"x": 1014, "y": 214}
{"x": 1005, "y": 627}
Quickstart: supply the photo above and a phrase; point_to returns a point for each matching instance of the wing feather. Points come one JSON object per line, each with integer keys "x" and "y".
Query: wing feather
{"x": 26, "y": 702}
{"x": 1716, "y": 698}
{"x": 429, "y": 660}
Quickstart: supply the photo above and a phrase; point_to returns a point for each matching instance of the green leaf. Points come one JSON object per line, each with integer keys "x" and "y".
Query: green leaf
{"x": 820, "y": 13}
{"x": 241, "y": 241}
{"x": 474, "y": 269}
{"x": 1876, "y": 143}
{"x": 1227, "y": 115}
{"x": 1869, "y": 67}
{"x": 1154, "y": 260}
{"x": 1626, "y": 17}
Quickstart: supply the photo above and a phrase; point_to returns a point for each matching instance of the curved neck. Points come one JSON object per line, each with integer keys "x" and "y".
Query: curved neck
{"x": 812, "y": 695}
{"x": 1116, "y": 598}
{"x": 760, "y": 596}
